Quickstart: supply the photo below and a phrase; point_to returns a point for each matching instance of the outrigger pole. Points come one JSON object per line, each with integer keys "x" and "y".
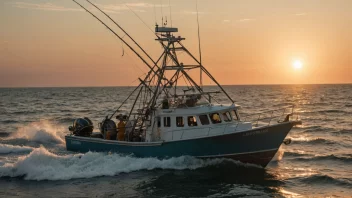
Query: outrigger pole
{"x": 144, "y": 61}
{"x": 123, "y": 31}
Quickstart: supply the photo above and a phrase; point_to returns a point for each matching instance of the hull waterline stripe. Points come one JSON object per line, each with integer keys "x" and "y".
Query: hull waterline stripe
{"x": 114, "y": 142}
{"x": 233, "y": 154}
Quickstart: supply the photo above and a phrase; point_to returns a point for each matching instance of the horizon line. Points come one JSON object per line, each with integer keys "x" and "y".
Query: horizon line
{"x": 15, "y": 87}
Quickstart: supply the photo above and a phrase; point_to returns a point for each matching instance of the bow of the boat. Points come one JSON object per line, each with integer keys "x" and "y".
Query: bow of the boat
{"x": 256, "y": 146}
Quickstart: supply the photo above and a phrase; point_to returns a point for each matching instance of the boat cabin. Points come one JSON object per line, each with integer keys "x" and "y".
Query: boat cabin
{"x": 186, "y": 123}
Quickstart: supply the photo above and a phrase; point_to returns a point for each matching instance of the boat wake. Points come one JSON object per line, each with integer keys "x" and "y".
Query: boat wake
{"x": 6, "y": 149}
{"x": 41, "y": 164}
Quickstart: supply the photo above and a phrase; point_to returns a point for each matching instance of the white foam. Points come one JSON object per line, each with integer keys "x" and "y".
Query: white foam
{"x": 41, "y": 164}
{"x": 5, "y": 149}
{"x": 278, "y": 155}
{"x": 42, "y": 132}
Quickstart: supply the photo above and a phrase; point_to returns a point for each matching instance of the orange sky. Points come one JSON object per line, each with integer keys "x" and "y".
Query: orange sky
{"x": 54, "y": 43}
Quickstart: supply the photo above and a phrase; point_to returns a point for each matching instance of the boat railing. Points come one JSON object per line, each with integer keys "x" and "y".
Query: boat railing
{"x": 266, "y": 118}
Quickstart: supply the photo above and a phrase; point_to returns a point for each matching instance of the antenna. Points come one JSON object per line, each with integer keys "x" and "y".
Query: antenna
{"x": 200, "y": 51}
{"x": 162, "y": 14}
{"x": 170, "y": 13}
{"x": 155, "y": 15}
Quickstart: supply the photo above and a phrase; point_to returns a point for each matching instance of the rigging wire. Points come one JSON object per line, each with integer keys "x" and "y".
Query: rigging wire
{"x": 112, "y": 31}
{"x": 185, "y": 81}
{"x": 199, "y": 47}
{"x": 122, "y": 30}
{"x": 140, "y": 18}
{"x": 135, "y": 64}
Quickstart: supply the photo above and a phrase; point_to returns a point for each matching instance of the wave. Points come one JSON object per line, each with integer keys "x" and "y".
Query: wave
{"x": 66, "y": 120}
{"x": 319, "y": 140}
{"x": 343, "y": 131}
{"x": 317, "y": 128}
{"x": 41, "y": 132}
{"x": 41, "y": 164}
{"x": 332, "y": 111}
{"x": 325, "y": 179}
{"x": 27, "y": 112}
{"x": 4, "y": 134}
{"x": 345, "y": 159}
{"x": 6, "y": 149}
{"x": 9, "y": 121}
{"x": 295, "y": 154}
{"x": 283, "y": 104}
{"x": 316, "y": 104}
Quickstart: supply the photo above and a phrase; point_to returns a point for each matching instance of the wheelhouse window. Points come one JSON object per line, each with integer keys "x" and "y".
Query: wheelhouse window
{"x": 159, "y": 122}
{"x": 215, "y": 118}
{"x": 179, "y": 122}
{"x": 192, "y": 121}
{"x": 167, "y": 122}
{"x": 234, "y": 115}
{"x": 227, "y": 116}
{"x": 204, "y": 119}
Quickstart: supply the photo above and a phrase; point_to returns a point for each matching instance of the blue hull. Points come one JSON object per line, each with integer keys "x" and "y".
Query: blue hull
{"x": 257, "y": 146}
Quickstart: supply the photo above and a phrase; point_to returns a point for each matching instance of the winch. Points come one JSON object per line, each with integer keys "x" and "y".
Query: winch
{"x": 82, "y": 127}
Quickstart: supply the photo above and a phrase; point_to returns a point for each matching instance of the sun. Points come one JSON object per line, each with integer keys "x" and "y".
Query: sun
{"x": 297, "y": 64}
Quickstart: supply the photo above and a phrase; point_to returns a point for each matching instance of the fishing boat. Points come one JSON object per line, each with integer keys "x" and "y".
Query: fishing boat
{"x": 168, "y": 120}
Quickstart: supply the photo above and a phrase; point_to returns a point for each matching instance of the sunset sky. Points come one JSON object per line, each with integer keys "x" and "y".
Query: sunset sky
{"x": 45, "y": 43}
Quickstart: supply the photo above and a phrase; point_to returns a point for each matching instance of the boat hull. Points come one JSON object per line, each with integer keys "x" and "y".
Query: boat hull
{"x": 256, "y": 146}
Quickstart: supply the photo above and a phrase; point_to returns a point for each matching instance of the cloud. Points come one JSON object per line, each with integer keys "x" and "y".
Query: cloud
{"x": 117, "y": 8}
{"x": 43, "y": 6}
{"x": 245, "y": 20}
{"x": 109, "y": 8}
{"x": 193, "y": 12}
{"x": 301, "y": 14}
{"x": 145, "y": 5}
{"x": 226, "y": 21}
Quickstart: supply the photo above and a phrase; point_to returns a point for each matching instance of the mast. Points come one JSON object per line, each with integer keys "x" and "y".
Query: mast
{"x": 163, "y": 75}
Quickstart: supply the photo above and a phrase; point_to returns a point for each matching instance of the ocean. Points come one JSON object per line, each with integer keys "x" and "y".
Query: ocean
{"x": 35, "y": 163}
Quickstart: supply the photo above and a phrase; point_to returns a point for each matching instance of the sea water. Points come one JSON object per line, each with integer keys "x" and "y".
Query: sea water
{"x": 34, "y": 161}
